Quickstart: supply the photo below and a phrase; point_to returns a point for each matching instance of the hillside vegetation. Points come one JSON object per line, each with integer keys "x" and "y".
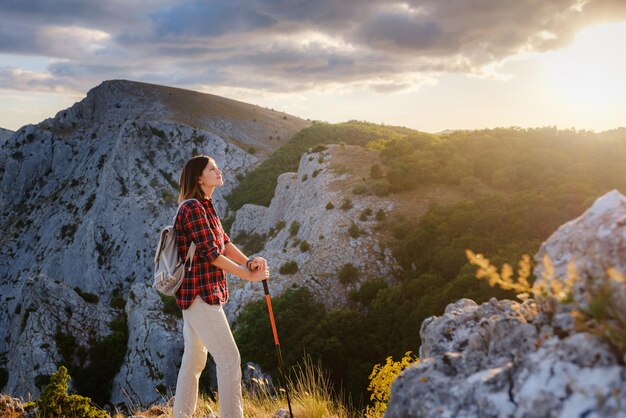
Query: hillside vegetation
{"x": 520, "y": 186}
{"x": 258, "y": 185}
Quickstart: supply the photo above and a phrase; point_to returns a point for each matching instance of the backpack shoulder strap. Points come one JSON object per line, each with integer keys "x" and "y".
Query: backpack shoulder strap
{"x": 180, "y": 205}
{"x": 191, "y": 251}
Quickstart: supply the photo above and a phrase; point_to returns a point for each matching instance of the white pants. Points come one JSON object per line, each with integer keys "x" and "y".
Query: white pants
{"x": 206, "y": 328}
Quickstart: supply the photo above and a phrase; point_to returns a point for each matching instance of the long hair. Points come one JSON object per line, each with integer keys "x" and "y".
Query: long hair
{"x": 189, "y": 187}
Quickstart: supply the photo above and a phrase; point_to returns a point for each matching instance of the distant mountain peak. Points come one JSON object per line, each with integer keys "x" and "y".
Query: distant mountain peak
{"x": 250, "y": 127}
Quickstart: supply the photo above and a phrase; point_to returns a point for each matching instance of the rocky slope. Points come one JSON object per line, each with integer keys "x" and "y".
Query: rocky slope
{"x": 82, "y": 198}
{"x": 509, "y": 359}
{"x": 301, "y": 199}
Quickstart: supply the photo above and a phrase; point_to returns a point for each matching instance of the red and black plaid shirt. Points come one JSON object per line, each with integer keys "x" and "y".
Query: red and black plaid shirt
{"x": 199, "y": 223}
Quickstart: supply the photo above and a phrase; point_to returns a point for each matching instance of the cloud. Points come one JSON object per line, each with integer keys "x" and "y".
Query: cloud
{"x": 283, "y": 45}
{"x": 214, "y": 18}
{"x": 21, "y": 80}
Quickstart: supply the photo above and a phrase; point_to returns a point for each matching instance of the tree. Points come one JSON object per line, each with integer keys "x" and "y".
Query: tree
{"x": 55, "y": 402}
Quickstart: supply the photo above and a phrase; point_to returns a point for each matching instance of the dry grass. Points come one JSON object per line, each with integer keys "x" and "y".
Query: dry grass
{"x": 311, "y": 395}
{"x": 194, "y": 109}
{"x": 415, "y": 203}
{"x": 352, "y": 160}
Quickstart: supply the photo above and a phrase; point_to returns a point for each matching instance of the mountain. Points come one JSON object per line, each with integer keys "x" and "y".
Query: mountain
{"x": 83, "y": 196}
{"x": 364, "y": 227}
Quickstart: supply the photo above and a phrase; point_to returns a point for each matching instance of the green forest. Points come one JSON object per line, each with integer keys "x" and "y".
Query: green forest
{"x": 521, "y": 185}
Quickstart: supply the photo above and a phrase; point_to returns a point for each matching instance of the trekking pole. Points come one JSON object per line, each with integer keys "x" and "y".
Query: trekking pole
{"x": 281, "y": 366}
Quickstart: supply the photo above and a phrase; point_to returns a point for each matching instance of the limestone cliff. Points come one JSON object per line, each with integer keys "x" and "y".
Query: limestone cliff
{"x": 301, "y": 199}
{"x": 83, "y": 196}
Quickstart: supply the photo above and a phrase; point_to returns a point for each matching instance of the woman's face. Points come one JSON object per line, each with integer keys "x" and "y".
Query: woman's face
{"x": 211, "y": 177}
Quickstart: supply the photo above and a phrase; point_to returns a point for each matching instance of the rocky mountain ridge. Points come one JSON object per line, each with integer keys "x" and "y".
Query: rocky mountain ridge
{"x": 82, "y": 198}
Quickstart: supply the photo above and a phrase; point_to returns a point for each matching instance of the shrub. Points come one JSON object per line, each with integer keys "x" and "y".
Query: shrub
{"x": 330, "y": 206}
{"x": 359, "y": 189}
{"x": 376, "y": 171}
{"x": 294, "y": 228}
{"x": 169, "y": 178}
{"x": 170, "y": 307}
{"x": 4, "y": 377}
{"x": 368, "y": 291}
{"x": 251, "y": 243}
{"x": 41, "y": 380}
{"x": 117, "y": 302}
{"x": 354, "y": 231}
{"x": 89, "y": 203}
{"x": 162, "y": 389}
{"x": 380, "y": 215}
{"x": 381, "y": 187}
{"x": 87, "y": 297}
{"x": 68, "y": 231}
{"x": 304, "y": 246}
{"x": 305, "y": 177}
{"x": 348, "y": 274}
{"x": 381, "y": 379}
{"x": 95, "y": 366}
{"x": 346, "y": 204}
{"x": 366, "y": 213}
{"x": 197, "y": 139}
{"x": 55, "y": 402}
{"x": 157, "y": 132}
{"x": 290, "y": 267}
{"x": 101, "y": 161}
{"x": 228, "y": 222}
{"x": 169, "y": 198}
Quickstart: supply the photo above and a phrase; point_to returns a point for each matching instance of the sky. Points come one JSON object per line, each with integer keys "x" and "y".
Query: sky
{"x": 430, "y": 65}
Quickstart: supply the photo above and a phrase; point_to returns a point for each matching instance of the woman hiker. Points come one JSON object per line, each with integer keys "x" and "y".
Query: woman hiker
{"x": 204, "y": 292}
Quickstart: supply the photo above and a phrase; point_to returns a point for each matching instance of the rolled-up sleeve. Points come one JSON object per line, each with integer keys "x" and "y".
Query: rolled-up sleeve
{"x": 197, "y": 226}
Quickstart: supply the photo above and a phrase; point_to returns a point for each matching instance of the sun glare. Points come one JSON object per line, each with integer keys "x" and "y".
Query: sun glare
{"x": 591, "y": 71}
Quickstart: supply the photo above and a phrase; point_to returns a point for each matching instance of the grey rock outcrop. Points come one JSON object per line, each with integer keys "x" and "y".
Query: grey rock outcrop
{"x": 46, "y": 313}
{"x": 509, "y": 359}
{"x": 154, "y": 350}
{"x": 83, "y": 196}
{"x": 593, "y": 242}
